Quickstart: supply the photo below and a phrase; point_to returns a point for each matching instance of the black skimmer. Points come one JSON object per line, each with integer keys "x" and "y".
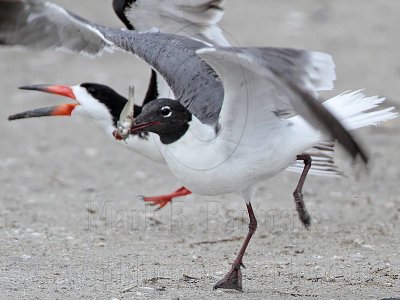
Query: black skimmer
{"x": 103, "y": 106}
{"x": 229, "y": 127}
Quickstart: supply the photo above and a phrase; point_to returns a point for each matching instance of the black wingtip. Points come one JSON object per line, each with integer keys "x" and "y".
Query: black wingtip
{"x": 350, "y": 144}
{"x": 364, "y": 157}
{"x": 361, "y": 158}
{"x": 120, "y": 7}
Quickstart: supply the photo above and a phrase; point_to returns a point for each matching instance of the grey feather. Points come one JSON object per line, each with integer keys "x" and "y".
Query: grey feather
{"x": 194, "y": 83}
{"x": 43, "y": 25}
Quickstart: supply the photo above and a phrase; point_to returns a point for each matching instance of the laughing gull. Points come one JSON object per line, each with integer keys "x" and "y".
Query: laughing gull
{"x": 252, "y": 140}
{"x": 229, "y": 127}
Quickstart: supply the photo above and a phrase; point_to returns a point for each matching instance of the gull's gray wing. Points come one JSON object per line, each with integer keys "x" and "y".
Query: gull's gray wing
{"x": 43, "y": 25}
{"x": 260, "y": 82}
{"x": 193, "y": 81}
{"x": 191, "y": 18}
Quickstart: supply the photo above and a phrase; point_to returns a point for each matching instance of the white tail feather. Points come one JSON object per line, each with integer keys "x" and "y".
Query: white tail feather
{"x": 355, "y": 111}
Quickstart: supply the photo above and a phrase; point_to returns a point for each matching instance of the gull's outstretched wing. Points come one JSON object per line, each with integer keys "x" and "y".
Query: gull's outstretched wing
{"x": 260, "y": 84}
{"x": 43, "y": 25}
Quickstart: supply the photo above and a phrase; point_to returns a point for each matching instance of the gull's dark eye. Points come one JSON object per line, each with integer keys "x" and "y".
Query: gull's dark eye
{"x": 166, "y": 111}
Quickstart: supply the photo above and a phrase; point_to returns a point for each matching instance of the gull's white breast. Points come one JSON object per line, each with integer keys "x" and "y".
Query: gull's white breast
{"x": 214, "y": 165}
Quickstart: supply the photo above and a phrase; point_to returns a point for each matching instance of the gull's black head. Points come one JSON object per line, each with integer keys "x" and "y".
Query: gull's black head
{"x": 165, "y": 117}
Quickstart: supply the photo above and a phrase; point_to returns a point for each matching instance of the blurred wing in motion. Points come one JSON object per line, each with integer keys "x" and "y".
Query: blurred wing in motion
{"x": 43, "y": 25}
{"x": 273, "y": 79}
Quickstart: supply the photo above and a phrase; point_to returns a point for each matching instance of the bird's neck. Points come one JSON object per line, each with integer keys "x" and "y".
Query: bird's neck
{"x": 173, "y": 133}
{"x": 193, "y": 131}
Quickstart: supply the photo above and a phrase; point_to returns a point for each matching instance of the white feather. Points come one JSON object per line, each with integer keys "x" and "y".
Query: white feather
{"x": 354, "y": 110}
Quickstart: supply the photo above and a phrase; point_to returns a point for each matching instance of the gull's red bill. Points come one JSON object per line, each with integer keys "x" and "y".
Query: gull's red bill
{"x": 139, "y": 127}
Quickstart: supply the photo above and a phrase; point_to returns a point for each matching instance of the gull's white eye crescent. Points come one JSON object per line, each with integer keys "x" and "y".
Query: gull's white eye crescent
{"x": 166, "y": 111}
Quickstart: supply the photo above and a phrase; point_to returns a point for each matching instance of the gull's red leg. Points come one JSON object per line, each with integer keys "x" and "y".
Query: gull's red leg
{"x": 233, "y": 279}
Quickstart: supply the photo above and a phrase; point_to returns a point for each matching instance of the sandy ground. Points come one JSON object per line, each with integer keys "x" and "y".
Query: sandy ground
{"x": 70, "y": 223}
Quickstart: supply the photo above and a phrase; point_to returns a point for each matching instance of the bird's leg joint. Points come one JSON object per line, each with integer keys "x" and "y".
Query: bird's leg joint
{"x": 252, "y": 225}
